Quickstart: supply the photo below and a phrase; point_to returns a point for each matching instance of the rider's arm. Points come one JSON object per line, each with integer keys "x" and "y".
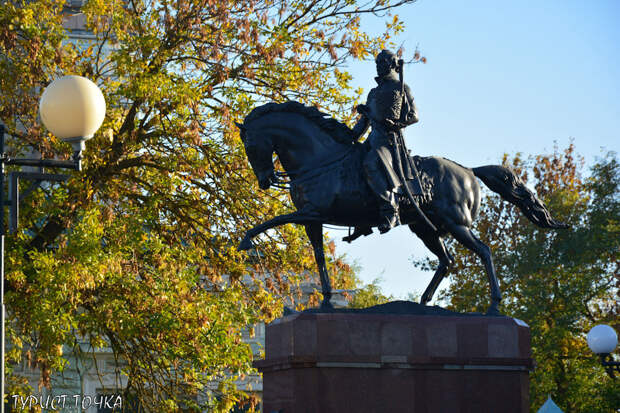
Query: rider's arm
{"x": 361, "y": 126}
{"x": 412, "y": 115}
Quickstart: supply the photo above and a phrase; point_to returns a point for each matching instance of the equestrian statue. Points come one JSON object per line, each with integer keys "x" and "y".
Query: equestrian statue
{"x": 334, "y": 179}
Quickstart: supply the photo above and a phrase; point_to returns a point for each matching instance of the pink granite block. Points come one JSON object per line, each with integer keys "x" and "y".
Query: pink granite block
{"x": 305, "y": 337}
{"x": 525, "y": 347}
{"x": 399, "y": 383}
{"x": 396, "y": 339}
{"x": 333, "y": 337}
{"x": 279, "y": 339}
{"x": 472, "y": 336}
{"x": 503, "y": 340}
{"x": 365, "y": 337}
{"x": 419, "y": 342}
{"x": 442, "y": 339}
{"x": 395, "y": 363}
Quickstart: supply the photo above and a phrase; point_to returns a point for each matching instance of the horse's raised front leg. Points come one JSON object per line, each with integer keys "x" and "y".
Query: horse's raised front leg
{"x": 435, "y": 244}
{"x": 464, "y": 235}
{"x": 315, "y": 234}
{"x": 297, "y": 217}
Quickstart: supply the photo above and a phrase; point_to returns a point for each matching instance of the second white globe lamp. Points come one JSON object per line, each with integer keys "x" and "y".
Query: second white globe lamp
{"x": 602, "y": 339}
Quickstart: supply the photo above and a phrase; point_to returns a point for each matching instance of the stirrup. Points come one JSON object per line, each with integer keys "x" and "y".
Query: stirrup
{"x": 358, "y": 232}
{"x": 390, "y": 220}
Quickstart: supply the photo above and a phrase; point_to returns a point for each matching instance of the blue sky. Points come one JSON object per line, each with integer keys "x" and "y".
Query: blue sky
{"x": 502, "y": 77}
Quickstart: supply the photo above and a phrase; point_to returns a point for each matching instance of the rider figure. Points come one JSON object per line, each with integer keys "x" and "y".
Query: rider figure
{"x": 386, "y": 112}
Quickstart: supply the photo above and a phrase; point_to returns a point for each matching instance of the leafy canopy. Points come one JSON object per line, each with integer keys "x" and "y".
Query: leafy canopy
{"x": 137, "y": 252}
{"x": 561, "y": 283}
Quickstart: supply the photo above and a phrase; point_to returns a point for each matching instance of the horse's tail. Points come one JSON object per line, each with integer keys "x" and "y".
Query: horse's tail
{"x": 510, "y": 187}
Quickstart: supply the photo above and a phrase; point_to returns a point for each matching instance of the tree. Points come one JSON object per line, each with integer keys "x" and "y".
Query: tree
{"x": 561, "y": 282}
{"x": 138, "y": 251}
{"x": 369, "y": 295}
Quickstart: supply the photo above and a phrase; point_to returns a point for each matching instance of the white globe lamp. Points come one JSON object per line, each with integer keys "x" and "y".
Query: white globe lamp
{"x": 72, "y": 108}
{"x": 602, "y": 339}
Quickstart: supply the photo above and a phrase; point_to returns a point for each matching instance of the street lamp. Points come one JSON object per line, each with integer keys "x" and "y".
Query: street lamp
{"x": 72, "y": 108}
{"x": 602, "y": 340}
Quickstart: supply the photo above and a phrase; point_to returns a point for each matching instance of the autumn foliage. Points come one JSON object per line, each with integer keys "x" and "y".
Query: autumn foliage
{"x": 561, "y": 283}
{"x": 137, "y": 252}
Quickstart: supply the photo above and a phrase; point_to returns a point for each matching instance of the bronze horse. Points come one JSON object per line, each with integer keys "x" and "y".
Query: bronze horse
{"x": 327, "y": 186}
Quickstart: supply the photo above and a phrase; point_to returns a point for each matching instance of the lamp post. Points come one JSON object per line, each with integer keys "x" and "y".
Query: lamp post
{"x": 72, "y": 108}
{"x": 602, "y": 340}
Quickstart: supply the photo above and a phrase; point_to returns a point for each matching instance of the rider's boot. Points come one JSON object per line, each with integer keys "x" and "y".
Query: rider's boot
{"x": 389, "y": 213}
{"x": 388, "y": 207}
{"x": 358, "y": 232}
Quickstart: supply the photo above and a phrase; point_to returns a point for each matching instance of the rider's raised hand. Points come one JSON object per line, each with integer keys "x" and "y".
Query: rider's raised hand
{"x": 362, "y": 109}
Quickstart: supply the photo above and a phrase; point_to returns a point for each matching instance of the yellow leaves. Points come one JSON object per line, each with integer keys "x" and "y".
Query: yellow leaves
{"x": 155, "y": 244}
{"x": 358, "y": 49}
{"x": 396, "y": 26}
{"x": 88, "y": 52}
{"x": 332, "y": 51}
{"x": 58, "y": 350}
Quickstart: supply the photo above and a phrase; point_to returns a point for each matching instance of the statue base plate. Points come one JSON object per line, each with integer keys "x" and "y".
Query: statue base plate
{"x": 374, "y": 362}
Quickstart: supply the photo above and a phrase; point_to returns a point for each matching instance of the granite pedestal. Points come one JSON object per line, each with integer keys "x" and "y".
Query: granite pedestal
{"x": 348, "y": 362}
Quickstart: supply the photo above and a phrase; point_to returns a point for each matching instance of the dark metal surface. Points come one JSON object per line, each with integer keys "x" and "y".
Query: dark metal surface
{"x": 393, "y": 307}
{"x": 2, "y": 309}
{"x": 327, "y": 186}
{"x": 328, "y": 173}
{"x": 611, "y": 366}
{"x": 47, "y": 163}
{"x": 390, "y": 108}
{"x": 15, "y": 196}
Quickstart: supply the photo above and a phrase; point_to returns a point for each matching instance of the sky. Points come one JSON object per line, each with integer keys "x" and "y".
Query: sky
{"x": 502, "y": 77}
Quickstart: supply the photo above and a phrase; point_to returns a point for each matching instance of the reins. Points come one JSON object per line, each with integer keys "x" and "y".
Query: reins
{"x": 300, "y": 175}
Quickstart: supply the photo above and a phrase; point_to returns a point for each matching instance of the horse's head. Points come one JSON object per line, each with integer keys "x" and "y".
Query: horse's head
{"x": 259, "y": 152}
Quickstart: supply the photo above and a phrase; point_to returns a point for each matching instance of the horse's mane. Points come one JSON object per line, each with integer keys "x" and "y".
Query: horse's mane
{"x": 338, "y": 131}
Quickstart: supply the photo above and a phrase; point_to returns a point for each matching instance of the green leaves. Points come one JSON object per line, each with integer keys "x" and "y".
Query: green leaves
{"x": 137, "y": 252}
{"x": 561, "y": 282}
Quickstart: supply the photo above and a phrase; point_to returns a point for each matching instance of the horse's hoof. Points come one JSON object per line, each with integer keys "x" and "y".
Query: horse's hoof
{"x": 493, "y": 310}
{"x": 245, "y": 245}
{"x": 289, "y": 311}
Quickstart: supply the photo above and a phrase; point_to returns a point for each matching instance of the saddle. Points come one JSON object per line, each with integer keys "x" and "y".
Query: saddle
{"x": 419, "y": 185}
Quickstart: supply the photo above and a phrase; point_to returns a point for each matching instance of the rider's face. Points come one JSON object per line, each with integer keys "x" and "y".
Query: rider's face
{"x": 383, "y": 67}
